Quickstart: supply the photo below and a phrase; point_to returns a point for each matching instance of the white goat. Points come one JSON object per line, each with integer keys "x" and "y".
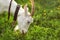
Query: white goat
{"x": 24, "y": 18}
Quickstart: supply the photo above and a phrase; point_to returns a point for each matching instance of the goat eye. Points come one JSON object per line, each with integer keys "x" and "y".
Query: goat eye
{"x": 28, "y": 22}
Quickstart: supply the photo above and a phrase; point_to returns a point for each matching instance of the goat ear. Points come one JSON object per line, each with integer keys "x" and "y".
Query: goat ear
{"x": 26, "y": 9}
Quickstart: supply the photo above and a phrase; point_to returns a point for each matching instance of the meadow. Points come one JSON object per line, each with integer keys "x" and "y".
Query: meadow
{"x": 46, "y": 24}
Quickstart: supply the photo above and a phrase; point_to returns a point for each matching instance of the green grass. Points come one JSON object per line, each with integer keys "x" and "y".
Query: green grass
{"x": 46, "y": 25}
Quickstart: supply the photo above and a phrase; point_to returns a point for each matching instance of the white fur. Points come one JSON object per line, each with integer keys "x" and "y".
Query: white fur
{"x": 22, "y": 19}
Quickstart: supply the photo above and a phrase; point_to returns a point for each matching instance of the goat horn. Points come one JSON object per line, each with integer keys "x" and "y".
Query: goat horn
{"x": 32, "y": 9}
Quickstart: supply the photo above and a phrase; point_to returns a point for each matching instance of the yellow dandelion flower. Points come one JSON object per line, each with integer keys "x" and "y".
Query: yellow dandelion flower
{"x": 44, "y": 14}
{"x": 44, "y": 10}
{"x": 58, "y": 8}
{"x": 51, "y": 11}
